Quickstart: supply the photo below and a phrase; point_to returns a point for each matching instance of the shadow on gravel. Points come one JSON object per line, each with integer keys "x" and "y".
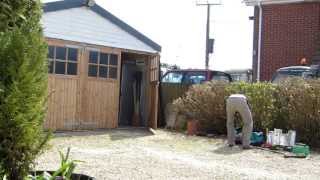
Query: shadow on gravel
{"x": 130, "y": 133}
{"x": 226, "y": 150}
{"x": 115, "y": 134}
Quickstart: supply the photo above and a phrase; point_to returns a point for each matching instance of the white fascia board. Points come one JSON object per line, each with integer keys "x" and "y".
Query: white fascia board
{"x": 268, "y": 2}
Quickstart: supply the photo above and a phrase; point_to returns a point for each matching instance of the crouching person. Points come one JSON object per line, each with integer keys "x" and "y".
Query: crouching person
{"x": 238, "y": 103}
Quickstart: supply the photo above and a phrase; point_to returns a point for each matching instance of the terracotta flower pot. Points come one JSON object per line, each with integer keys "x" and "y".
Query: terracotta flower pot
{"x": 192, "y": 127}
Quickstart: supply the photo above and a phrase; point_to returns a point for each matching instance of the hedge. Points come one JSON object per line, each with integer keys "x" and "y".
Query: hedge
{"x": 293, "y": 104}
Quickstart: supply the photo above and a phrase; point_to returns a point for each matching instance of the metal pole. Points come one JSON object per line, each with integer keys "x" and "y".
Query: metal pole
{"x": 259, "y": 43}
{"x": 207, "y": 58}
{"x": 207, "y": 36}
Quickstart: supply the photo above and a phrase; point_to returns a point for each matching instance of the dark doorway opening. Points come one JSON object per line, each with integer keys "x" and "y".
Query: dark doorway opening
{"x": 133, "y": 91}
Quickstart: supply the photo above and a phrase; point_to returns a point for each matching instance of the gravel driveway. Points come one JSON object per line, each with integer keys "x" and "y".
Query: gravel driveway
{"x": 140, "y": 154}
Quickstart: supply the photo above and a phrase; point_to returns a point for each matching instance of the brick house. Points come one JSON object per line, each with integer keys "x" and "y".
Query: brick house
{"x": 289, "y": 31}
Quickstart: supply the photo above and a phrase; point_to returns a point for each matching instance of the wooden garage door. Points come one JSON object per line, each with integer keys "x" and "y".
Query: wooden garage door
{"x": 63, "y": 87}
{"x": 100, "y": 94}
{"x": 83, "y": 87}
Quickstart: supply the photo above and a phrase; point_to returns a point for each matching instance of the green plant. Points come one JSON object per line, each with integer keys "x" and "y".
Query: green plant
{"x": 64, "y": 172}
{"x": 67, "y": 167}
{"x": 293, "y": 104}
{"x": 261, "y": 99}
{"x": 23, "y": 81}
{"x": 298, "y": 102}
{"x": 15, "y": 13}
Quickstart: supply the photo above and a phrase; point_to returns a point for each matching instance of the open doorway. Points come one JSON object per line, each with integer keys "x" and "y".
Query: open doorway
{"x": 133, "y": 91}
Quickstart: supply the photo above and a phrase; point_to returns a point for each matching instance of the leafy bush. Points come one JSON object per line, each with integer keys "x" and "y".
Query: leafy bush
{"x": 298, "y": 103}
{"x": 205, "y": 103}
{"x": 23, "y": 84}
{"x": 14, "y": 13}
{"x": 293, "y": 104}
{"x": 261, "y": 100}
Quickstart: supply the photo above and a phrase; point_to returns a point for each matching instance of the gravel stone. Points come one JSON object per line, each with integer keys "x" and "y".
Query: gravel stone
{"x": 159, "y": 154}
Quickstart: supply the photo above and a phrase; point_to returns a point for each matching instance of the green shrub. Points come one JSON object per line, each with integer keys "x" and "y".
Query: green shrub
{"x": 205, "y": 103}
{"x": 23, "y": 84}
{"x": 298, "y": 102}
{"x": 293, "y": 104}
{"x": 14, "y": 13}
{"x": 261, "y": 100}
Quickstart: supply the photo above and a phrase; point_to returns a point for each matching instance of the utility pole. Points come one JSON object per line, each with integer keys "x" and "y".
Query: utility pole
{"x": 208, "y": 36}
{"x": 209, "y": 42}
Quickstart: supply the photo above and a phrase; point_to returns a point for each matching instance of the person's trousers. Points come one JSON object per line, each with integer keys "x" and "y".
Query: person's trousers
{"x": 241, "y": 106}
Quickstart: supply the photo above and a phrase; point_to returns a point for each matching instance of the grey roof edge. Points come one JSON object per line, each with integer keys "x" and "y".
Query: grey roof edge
{"x": 68, "y": 4}
{"x": 61, "y": 5}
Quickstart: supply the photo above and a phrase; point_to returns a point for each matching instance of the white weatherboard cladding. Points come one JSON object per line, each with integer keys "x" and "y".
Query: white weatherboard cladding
{"x": 86, "y": 26}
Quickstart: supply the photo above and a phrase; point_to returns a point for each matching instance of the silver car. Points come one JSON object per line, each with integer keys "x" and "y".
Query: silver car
{"x": 292, "y": 71}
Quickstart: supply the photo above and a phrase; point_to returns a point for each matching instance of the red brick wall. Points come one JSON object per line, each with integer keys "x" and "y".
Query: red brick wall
{"x": 290, "y": 32}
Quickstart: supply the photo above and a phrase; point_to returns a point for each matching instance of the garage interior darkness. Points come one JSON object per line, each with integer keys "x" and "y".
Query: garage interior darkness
{"x": 133, "y": 92}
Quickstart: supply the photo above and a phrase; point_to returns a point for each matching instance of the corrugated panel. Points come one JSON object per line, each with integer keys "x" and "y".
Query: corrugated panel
{"x": 83, "y": 25}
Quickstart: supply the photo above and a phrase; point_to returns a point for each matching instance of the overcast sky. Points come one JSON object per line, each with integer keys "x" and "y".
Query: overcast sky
{"x": 179, "y": 27}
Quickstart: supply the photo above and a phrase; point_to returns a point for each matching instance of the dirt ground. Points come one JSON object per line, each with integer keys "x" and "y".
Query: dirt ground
{"x": 141, "y": 154}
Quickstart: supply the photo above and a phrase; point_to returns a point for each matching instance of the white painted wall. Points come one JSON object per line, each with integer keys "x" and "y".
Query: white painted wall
{"x": 84, "y": 25}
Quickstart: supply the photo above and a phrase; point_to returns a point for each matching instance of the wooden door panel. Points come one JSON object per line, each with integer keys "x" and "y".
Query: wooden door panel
{"x": 99, "y": 96}
{"x": 101, "y": 105}
{"x": 62, "y": 103}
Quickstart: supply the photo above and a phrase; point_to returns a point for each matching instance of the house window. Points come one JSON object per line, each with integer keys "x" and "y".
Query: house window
{"x": 63, "y": 60}
{"x": 103, "y": 65}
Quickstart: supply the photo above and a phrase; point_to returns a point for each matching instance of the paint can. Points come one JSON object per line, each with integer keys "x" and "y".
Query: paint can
{"x": 269, "y": 137}
{"x": 292, "y": 137}
{"x": 276, "y": 136}
{"x": 284, "y": 140}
